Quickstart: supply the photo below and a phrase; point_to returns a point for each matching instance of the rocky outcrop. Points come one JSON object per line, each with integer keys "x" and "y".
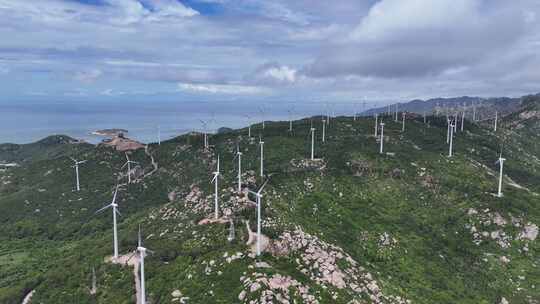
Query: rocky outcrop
{"x": 121, "y": 143}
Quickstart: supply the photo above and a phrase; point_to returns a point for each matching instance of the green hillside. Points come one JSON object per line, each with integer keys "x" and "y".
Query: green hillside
{"x": 411, "y": 225}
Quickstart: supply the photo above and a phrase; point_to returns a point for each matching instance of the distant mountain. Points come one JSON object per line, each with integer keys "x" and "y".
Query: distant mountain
{"x": 49, "y": 147}
{"x": 485, "y": 107}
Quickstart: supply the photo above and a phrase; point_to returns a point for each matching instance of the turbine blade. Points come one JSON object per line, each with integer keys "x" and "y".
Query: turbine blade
{"x": 82, "y": 162}
{"x": 262, "y": 187}
{"x": 125, "y": 164}
{"x": 104, "y": 208}
{"x": 118, "y": 212}
{"x": 131, "y": 256}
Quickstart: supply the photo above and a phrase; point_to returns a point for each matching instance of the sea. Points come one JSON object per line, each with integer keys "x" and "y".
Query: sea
{"x": 27, "y": 122}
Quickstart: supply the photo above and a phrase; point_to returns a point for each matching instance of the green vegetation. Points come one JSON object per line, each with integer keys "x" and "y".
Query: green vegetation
{"x": 413, "y": 218}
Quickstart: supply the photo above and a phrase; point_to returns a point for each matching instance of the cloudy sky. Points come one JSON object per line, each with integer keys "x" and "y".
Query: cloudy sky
{"x": 306, "y": 50}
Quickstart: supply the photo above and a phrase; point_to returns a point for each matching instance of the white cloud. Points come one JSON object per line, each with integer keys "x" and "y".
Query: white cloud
{"x": 171, "y": 8}
{"x": 283, "y": 73}
{"x": 389, "y": 18}
{"x": 88, "y": 76}
{"x": 229, "y": 89}
{"x": 3, "y": 70}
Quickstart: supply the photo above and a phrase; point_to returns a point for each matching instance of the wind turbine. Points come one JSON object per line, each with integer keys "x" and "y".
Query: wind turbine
{"x": 259, "y": 196}
{"x": 450, "y": 151}
{"x": 500, "y": 161}
{"x": 312, "y": 143}
{"x": 249, "y": 125}
{"x": 128, "y": 164}
{"x": 382, "y": 138}
{"x": 263, "y": 116}
{"x": 396, "y": 116}
{"x": 364, "y": 104}
{"x": 115, "y": 212}
{"x": 76, "y": 166}
{"x": 205, "y": 133}
{"x": 239, "y": 156}
{"x": 496, "y": 118}
{"x": 261, "y": 143}
{"x": 142, "y": 253}
{"x": 290, "y": 120}
{"x": 216, "y": 192}
{"x": 403, "y": 122}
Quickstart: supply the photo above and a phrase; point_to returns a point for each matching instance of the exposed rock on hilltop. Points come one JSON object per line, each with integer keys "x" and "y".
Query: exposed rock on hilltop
{"x": 121, "y": 143}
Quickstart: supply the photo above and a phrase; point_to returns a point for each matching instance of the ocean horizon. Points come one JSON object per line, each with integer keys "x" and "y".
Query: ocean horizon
{"x": 23, "y": 123}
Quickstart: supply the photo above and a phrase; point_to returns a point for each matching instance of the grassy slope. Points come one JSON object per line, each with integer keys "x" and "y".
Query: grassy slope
{"x": 52, "y": 239}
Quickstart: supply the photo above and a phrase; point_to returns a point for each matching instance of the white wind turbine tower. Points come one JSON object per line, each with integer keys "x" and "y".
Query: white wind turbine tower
{"x": 142, "y": 253}
{"x": 259, "y": 196}
{"x": 450, "y": 151}
{"x": 376, "y": 124}
{"x": 396, "y": 113}
{"x": 327, "y": 113}
{"x": 76, "y": 166}
{"x": 382, "y": 138}
{"x": 239, "y": 156}
{"x": 93, "y": 289}
{"x": 496, "y": 118}
{"x": 403, "y": 122}
{"x": 312, "y": 143}
{"x": 323, "y": 130}
{"x": 230, "y": 238}
{"x": 115, "y": 212}
{"x": 249, "y": 125}
{"x": 500, "y": 161}
{"x": 128, "y": 164}
{"x": 448, "y": 123}
{"x": 261, "y": 143}
{"x": 216, "y": 191}
{"x": 462, "y": 119}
